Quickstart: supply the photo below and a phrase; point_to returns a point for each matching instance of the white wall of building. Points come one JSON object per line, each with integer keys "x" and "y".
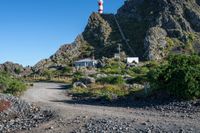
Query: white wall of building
{"x": 132, "y": 60}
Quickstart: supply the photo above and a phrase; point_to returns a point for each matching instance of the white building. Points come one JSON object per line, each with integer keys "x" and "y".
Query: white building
{"x": 117, "y": 56}
{"x": 85, "y": 63}
{"x": 132, "y": 60}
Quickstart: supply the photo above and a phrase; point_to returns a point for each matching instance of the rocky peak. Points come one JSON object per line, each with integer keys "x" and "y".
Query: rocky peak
{"x": 98, "y": 28}
{"x": 151, "y": 28}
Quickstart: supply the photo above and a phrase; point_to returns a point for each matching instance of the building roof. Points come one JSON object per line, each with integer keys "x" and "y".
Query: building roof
{"x": 85, "y": 60}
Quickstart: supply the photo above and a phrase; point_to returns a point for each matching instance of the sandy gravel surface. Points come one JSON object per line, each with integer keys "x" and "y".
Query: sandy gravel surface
{"x": 72, "y": 117}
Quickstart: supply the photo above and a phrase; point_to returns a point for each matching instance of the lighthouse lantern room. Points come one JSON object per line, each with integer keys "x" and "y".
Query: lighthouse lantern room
{"x": 100, "y": 2}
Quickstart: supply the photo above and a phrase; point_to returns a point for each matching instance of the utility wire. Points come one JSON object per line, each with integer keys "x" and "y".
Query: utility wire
{"x": 123, "y": 36}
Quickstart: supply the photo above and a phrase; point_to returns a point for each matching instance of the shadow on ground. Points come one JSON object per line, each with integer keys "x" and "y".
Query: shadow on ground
{"x": 157, "y": 104}
{"x": 116, "y": 103}
{"x": 61, "y": 87}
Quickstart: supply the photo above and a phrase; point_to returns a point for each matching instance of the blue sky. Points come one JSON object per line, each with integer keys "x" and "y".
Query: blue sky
{"x": 31, "y": 30}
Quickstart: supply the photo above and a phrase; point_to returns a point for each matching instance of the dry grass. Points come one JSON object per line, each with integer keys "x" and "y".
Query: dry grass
{"x": 60, "y": 80}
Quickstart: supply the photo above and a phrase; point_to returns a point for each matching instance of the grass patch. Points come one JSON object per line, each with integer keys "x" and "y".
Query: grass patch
{"x": 104, "y": 92}
{"x": 111, "y": 80}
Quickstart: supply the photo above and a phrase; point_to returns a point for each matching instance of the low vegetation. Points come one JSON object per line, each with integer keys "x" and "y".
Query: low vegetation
{"x": 77, "y": 76}
{"x": 62, "y": 75}
{"x": 111, "y": 80}
{"x": 11, "y": 85}
{"x": 180, "y": 77}
{"x": 62, "y": 72}
{"x": 106, "y": 92}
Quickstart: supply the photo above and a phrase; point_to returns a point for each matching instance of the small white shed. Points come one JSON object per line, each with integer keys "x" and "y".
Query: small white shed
{"x": 132, "y": 60}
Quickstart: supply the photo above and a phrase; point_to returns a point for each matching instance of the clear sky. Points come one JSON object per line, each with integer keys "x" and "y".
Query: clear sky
{"x": 31, "y": 30}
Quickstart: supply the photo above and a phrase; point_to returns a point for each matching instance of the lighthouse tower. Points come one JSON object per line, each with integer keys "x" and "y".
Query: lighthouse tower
{"x": 100, "y": 2}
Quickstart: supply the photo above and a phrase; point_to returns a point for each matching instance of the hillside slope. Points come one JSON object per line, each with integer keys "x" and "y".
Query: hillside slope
{"x": 152, "y": 30}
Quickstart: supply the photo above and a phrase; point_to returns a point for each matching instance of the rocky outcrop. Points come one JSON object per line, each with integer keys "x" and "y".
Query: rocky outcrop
{"x": 15, "y": 69}
{"x": 102, "y": 34}
{"x": 152, "y": 20}
{"x": 98, "y": 29}
{"x": 154, "y": 43}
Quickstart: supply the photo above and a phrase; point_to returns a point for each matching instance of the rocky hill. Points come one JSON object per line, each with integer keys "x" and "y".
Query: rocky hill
{"x": 151, "y": 30}
{"x": 15, "y": 69}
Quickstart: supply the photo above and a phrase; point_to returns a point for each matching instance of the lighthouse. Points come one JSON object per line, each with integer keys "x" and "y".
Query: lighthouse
{"x": 100, "y": 2}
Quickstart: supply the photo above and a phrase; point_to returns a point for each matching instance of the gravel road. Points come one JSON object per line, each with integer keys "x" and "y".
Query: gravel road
{"x": 84, "y": 118}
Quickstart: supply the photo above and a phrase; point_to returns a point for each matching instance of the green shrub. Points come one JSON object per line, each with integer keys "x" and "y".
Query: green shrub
{"x": 66, "y": 70}
{"x": 15, "y": 87}
{"x": 77, "y": 76}
{"x": 4, "y": 81}
{"x": 80, "y": 92}
{"x": 111, "y": 80}
{"x": 152, "y": 64}
{"x": 48, "y": 74}
{"x": 139, "y": 79}
{"x": 110, "y": 92}
{"x": 180, "y": 76}
{"x": 9, "y": 84}
{"x": 139, "y": 70}
{"x": 18, "y": 70}
{"x": 112, "y": 67}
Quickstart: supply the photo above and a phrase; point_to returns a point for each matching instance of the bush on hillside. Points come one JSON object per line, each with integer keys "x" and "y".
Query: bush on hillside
{"x": 180, "y": 77}
{"x": 48, "y": 74}
{"x": 77, "y": 76}
{"x": 66, "y": 70}
{"x": 15, "y": 87}
{"x": 111, "y": 80}
{"x": 111, "y": 70}
{"x": 112, "y": 67}
{"x": 139, "y": 79}
{"x": 9, "y": 84}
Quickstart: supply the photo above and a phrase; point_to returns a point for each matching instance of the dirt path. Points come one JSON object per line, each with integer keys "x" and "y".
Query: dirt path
{"x": 73, "y": 117}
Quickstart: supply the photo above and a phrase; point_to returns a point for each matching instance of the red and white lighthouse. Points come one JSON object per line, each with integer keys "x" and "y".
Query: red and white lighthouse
{"x": 100, "y": 6}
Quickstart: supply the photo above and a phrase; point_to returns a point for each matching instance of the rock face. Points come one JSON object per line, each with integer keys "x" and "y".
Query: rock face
{"x": 15, "y": 69}
{"x": 157, "y": 27}
{"x": 151, "y": 28}
{"x": 154, "y": 43}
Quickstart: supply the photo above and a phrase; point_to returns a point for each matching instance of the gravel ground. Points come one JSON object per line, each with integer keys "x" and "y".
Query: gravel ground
{"x": 84, "y": 117}
{"x": 21, "y": 115}
{"x": 119, "y": 125}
